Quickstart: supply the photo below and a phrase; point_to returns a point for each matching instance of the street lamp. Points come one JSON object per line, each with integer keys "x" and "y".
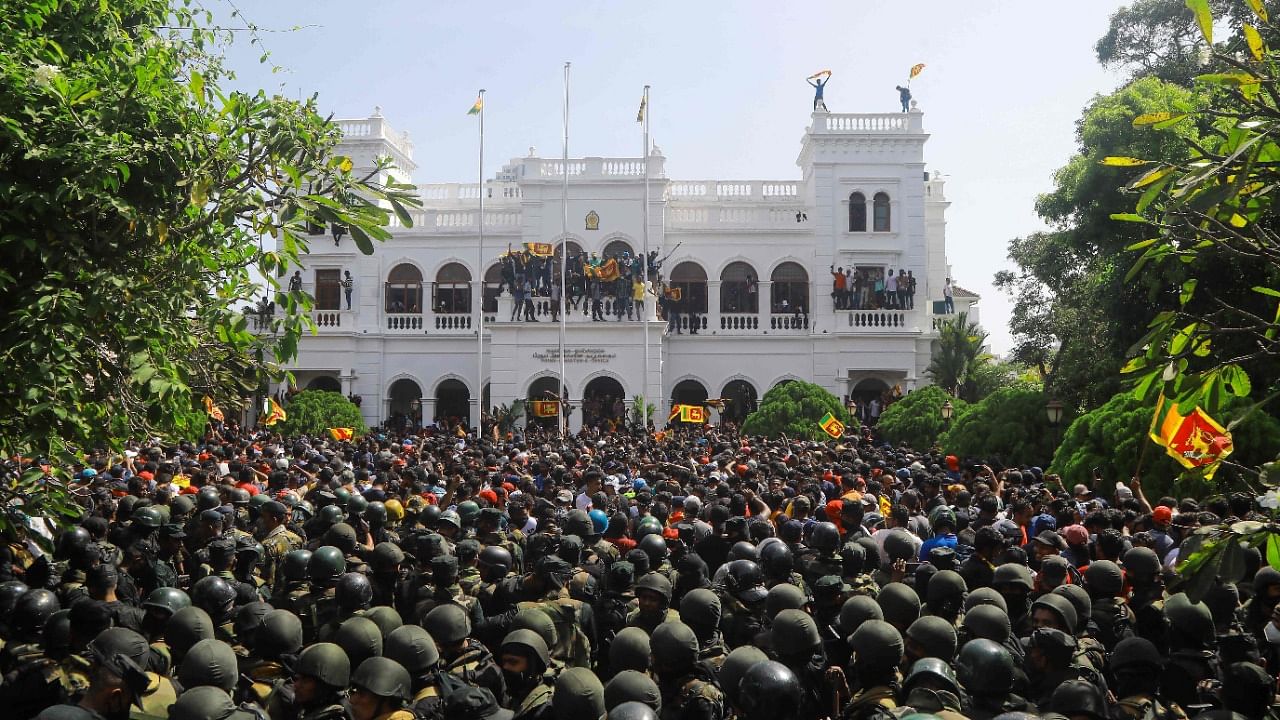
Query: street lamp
{"x": 1054, "y": 412}
{"x": 947, "y": 410}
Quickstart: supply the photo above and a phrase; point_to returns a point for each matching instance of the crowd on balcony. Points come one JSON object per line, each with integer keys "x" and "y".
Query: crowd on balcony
{"x": 872, "y": 288}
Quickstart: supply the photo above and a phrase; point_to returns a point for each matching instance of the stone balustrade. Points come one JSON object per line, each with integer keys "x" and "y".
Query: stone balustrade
{"x": 732, "y": 190}
{"x": 687, "y": 217}
{"x": 877, "y": 320}
{"x": 593, "y": 167}
{"x": 867, "y": 123}
{"x": 376, "y": 128}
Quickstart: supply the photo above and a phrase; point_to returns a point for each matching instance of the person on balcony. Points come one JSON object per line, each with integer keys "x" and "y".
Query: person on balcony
{"x": 948, "y": 298}
{"x": 637, "y": 298}
{"x": 904, "y": 96}
{"x": 295, "y": 282}
{"x": 347, "y": 284}
{"x": 553, "y": 295}
{"x": 911, "y": 291}
{"x": 838, "y": 287}
{"x": 597, "y": 300}
{"x": 891, "y": 290}
{"x": 904, "y": 283}
{"x": 819, "y": 82}
{"x": 527, "y": 291}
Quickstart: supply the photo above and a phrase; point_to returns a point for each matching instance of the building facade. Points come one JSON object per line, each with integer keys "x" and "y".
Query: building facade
{"x": 753, "y": 260}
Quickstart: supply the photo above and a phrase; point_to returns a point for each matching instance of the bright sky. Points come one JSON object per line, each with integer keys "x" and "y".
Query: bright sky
{"x": 1005, "y": 84}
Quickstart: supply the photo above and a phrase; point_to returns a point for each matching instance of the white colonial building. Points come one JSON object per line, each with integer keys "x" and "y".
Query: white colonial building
{"x": 753, "y": 257}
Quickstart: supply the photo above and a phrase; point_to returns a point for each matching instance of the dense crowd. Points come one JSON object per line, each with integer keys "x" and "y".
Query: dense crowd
{"x": 694, "y": 575}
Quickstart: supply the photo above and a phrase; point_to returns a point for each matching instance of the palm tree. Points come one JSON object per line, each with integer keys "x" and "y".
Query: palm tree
{"x": 959, "y": 353}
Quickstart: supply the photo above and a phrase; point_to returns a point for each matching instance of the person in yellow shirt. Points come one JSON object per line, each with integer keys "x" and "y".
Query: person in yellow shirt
{"x": 637, "y": 297}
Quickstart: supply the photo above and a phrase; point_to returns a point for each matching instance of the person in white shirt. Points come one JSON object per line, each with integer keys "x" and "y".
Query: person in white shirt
{"x": 948, "y": 296}
{"x": 891, "y": 290}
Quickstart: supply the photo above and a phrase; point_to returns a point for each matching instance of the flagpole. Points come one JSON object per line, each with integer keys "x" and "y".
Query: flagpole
{"x": 480, "y": 270}
{"x": 644, "y": 224}
{"x": 563, "y": 405}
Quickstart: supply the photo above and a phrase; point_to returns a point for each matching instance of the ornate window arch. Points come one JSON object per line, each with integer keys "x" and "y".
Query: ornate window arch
{"x": 857, "y": 212}
{"x": 403, "y": 289}
{"x": 880, "y": 212}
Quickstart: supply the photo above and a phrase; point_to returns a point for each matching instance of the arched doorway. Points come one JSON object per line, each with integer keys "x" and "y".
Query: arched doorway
{"x": 738, "y": 289}
{"x": 871, "y": 394}
{"x": 789, "y": 290}
{"x": 689, "y": 392}
{"x": 452, "y": 289}
{"x": 327, "y": 383}
{"x": 403, "y": 291}
{"x": 691, "y": 279}
{"x": 492, "y": 285}
{"x": 616, "y": 249}
{"x": 453, "y": 403}
{"x": 544, "y": 388}
{"x": 739, "y": 400}
{"x": 603, "y": 402}
{"x": 404, "y": 404}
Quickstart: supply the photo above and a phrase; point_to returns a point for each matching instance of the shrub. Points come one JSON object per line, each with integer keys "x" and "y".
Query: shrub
{"x": 313, "y": 412}
{"x": 794, "y": 409}
{"x": 1009, "y": 426}
{"x": 917, "y": 418}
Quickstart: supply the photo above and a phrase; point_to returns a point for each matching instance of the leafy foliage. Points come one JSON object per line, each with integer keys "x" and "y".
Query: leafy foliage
{"x": 1160, "y": 38}
{"x": 958, "y": 355}
{"x": 1113, "y": 436}
{"x": 794, "y": 409}
{"x": 506, "y": 416}
{"x": 1208, "y": 209}
{"x": 313, "y": 412}
{"x": 641, "y": 412}
{"x": 916, "y": 419}
{"x": 135, "y": 204}
{"x": 1074, "y": 313}
{"x": 1009, "y": 425}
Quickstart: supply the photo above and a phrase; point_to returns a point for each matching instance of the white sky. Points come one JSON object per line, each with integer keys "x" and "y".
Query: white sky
{"x": 1005, "y": 83}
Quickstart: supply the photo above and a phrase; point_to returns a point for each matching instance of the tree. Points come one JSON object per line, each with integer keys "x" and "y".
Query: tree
{"x": 313, "y": 412}
{"x": 137, "y": 202}
{"x": 996, "y": 375}
{"x": 916, "y": 419}
{"x": 958, "y": 355}
{"x": 794, "y": 409}
{"x": 1074, "y": 314}
{"x": 641, "y": 413}
{"x": 1113, "y": 437}
{"x": 1010, "y": 426}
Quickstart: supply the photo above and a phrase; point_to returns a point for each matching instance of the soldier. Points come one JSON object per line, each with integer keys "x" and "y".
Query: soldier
{"x": 388, "y": 577}
{"x": 463, "y": 656}
{"x": 877, "y": 653}
{"x": 742, "y": 597}
{"x": 797, "y": 644}
{"x": 1014, "y": 583}
{"x": 525, "y": 662}
{"x": 929, "y": 636}
{"x": 380, "y": 688}
{"x": 117, "y": 679}
{"x": 1192, "y": 651}
{"x": 292, "y": 585}
{"x": 1104, "y": 582}
{"x": 824, "y": 540}
{"x": 1135, "y": 673}
{"x": 320, "y": 676}
{"x": 318, "y": 607}
{"x": 158, "y": 609}
{"x": 490, "y": 534}
{"x": 468, "y": 573}
{"x": 446, "y": 590}
{"x": 945, "y": 596}
{"x": 578, "y": 695}
{"x": 55, "y": 675}
{"x": 217, "y": 598}
{"x": 416, "y": 651}
{"x": 573, "y": 619}
{"x": 352, "y": 595}
{"x": 700, "y": 610}
{"x": 769, "y": 691}
{"x": 209, "y": 662}
{"x": 931, "y": 687}
{"x": 653, "y": 603}
{"x": 26, "y": 628}
{"x": 689, "y": 690}
{"x": 495, "y": 564}
{"x": 986, "y": 671}
{"x": 277, "y": 541}
{"x": 278, "y": 639}
{"x": 375, "y": 516}
{"x": 207, "y": 702}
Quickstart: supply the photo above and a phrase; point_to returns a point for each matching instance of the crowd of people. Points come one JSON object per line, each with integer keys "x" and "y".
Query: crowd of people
{"x": 695, "y": 574}
{"x": 598, "y": 286}
{"x": 872, "y": 289}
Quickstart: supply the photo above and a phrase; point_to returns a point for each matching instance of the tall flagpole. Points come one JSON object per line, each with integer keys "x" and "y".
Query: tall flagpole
{"x": 564, "y": 252}
{"x": 644, "y": 224}
{"x": 480, "y": 269}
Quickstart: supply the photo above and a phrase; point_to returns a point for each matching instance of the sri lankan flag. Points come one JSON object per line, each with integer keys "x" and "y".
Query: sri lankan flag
{"x": 475, "y": 109}
{"x": 1195, "y": 440}
{"x": 342, "y": 434}
{"x": 542, "y": 250}
{"x": 916, "y": 70}
{"x": 546, "y": 408}
{"x": 831, "y": 426}
{"x": 644, "y": 105}
{"x": 275, "y": 413}
{"x": 687, "y": 413}
{"x": 608, "y": 272}
{"x": 212, "y": 410}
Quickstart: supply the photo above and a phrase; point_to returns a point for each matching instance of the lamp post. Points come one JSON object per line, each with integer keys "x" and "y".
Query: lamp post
{"x": 1053, "y": 410}
{"x": 851, "y": 406}
{"x": 947, "y": 411}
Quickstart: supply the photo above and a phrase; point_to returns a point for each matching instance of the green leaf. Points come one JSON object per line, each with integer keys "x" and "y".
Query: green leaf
{"x": 1204, "y": 18}
{"x": 1260, "y": 10}
{"x": 1151, "y": 176}
{"x": 1188, "y": 290}
{"x": 1266, "y": 291}
{"x": 1142, "y": 244}
{"x": 1273, "y": 551}
{"x": 1128, "y": 217}
{"x": 197, "y": 87}
{"x": 1153, "y": 118}
{"x": 362, "y": 239}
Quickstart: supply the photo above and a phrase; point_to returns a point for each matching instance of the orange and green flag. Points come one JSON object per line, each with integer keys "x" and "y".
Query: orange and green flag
{"x": 916, "y": 70}
{"x": 1195, "y": 440}
{"x": 275, "y": 413}
{"x": 832, "y": 426}
{"x": 542, "y": 250}
{"x": 475, "y": 109}
{"x": 546, "y": 408}
{"x": 342, "y": 434}
{"x": 687, "y": 413}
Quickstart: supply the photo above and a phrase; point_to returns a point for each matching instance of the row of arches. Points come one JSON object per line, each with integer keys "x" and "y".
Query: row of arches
{"x": 739, "y": 287}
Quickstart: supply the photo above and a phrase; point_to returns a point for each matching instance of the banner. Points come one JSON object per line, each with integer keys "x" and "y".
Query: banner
{"x": 212, "y": 410}
{"x": 673, "y": 293}
{"x": 608, "y": 271}
{"x": 916, "y": 70}
{"x": 1195, "y": 440}
{"x": 832, "y": 426}
{"x": 341, "y": 434}
{"x": 542, "y": 250}
{"x": 275, "y": 413}
{"x": 546, "y": 408}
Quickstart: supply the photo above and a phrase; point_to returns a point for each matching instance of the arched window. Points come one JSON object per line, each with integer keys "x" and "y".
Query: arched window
{"x": 404, "y": 289}
{"x": 857, "y": 212}
{"x": 691, "y": 279}
{"x": 739, "y": 289}
{"x": 616, "y": 249}
{"x": 452, "y": 289}
{"x": 880, "y": 221}
{"x": 789, "y": 290}
{"x": 492, "y": 284}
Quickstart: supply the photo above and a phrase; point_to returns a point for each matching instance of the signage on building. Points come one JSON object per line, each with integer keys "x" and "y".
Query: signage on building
{"x": 575, "y": 355}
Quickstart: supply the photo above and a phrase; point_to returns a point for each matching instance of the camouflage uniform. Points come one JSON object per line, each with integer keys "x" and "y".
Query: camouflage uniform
{"x": 695, "y": 696}
{"x": 475, "y": 666}
{"x": 573, "y": 643}
{"x": 276, "y": 545}
{"x": 1147, "y": 707}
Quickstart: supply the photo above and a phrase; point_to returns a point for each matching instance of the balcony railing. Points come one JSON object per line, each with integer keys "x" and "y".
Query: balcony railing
{"x": 878, "y": 319}
{"x": 404, "y": 322}
{"x": 452, "y": 322}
